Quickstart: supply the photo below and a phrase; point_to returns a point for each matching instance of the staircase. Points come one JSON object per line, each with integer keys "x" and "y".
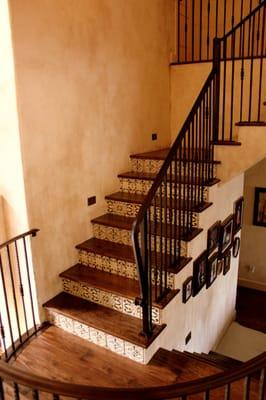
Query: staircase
{"x": 124, "y": 293}
{"x": 128, "y": 274}
{"x": 100, "y": 291}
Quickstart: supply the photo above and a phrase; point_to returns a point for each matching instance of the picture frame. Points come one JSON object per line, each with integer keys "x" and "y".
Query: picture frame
{"x": 211, "y": 273}
{"x": 238, "y": 214}
{"x": 236, "y": 246}
{"x": 226, "y": 233}
{"x": 187, "y": 289}
{"x": 259, "y": 213}
{"x": 220, "y": 265}
{"x": 213, "y": 237}
{"x": 227, "y": 261}
{"x": 199, "y": 273}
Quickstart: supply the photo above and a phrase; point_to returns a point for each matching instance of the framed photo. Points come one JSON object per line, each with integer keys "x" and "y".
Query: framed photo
{"x": 227, "y": 261}
{"x": 238, "y": 214}
{"x": 211, "y": 274}
{"x": 236, "y": 246}
{"x": 220, "y": 265}
{"x": 213, "y": 237}
{"x": 226, "y": 233}
{"x": 199, "y": 273}
{"x": 259, "y": 216}
{"x": 187, "y": 289}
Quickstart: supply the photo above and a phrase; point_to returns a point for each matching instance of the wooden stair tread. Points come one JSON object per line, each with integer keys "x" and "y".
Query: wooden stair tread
{"x": 152, "y": 155}
{"x": 114, "y": 220}
{"x": 251, "y": 123}
{"x": 185, "y": 359}
{"x": 160, "y": 155}
{"x": 102, "y": 318}
{"x": 123, "y": 252}
{"x": 224, "y": 360}
{"x": 227, "y": 143}
{"x": 140, "y": 199}
{"x": 148, "y": 176}
{"x": 215, "y": 361}
{"x": 105, "y": 281}
{"x": 123, "y": 222}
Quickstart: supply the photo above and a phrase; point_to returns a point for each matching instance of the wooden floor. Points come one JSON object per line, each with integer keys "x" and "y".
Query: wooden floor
{"x": 251, "y": 308}
{"x": 59, "y": 355}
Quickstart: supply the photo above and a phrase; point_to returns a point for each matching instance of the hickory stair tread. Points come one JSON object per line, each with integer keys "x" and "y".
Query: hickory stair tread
{"x": 118, "y": 285}
{"x": 134, "y": 198}
{"x": 216, "y": 359}
{"x": 227, "y": 143}
{"x": 124, "y": 252}
{"x": 159, "y": 155}
{"x": 125, "y": 223}
{"x": 104, "y": 319}
{"x": 194, "y": 363}
{"x": 149, "y": 176}
{"x": 251, "y": 123}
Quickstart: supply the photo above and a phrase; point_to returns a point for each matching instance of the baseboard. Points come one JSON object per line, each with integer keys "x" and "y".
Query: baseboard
{"x": 252, "y": 284}
{"x": 229, "y": 322}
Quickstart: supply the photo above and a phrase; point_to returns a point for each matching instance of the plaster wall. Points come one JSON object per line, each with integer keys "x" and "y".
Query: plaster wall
{"x": 92, "y": 85}
{"x": 14, "y": 213}
{"x": 186, "y": 83}
{"x": 253, "y": 252}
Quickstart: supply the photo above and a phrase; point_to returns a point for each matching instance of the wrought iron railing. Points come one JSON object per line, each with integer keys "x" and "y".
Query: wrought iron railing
{"x": 245, "y": 382}
{"x": 239, "y": 57}
{"x": 198, "y": 22}
{"x": 18, "y": 312}
{"x": 167, "y": 216}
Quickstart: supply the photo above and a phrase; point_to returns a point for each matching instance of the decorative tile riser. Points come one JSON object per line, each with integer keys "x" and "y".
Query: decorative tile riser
{"x": 114, "y": 266}
{"x": 107, "y": 299}
{"x": 131, "y": 210}
{"x": 97, "y": 337}
{"x": 139, "y": 186}
{"x": 153, "y": 166}
{"x": 124, "y": 237}
{"x": 150, "y": 166}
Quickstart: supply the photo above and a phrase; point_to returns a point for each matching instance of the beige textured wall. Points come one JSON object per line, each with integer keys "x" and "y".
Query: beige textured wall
{"x": 186, "y": 83}
{"x": 92, "y": 85}
{"x": 11, "y": 174}
{"x": 253, "y": 251}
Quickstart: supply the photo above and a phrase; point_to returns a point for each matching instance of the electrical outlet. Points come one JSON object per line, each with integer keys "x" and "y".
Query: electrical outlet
{"x": 154, "y": 136}
{"x": 91, "y": 200}
{"x": 188, "y": 338}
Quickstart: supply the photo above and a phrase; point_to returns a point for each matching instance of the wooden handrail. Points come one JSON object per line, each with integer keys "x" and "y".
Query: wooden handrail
{"x": 32, "y": 232}
{"x": 243, "y": 21}
{"x": 35, "y": 382}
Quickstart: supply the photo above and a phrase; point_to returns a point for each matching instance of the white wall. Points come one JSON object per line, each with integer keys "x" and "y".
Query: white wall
{"x": 253, "y": 246}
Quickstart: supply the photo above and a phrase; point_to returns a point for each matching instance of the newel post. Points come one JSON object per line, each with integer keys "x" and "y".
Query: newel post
{"x": 216, "y": 89}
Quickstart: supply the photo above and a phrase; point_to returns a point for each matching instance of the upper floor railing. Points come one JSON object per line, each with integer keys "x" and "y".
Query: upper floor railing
{"x": 198, "y": 22}
{"x": 246, "y": 382}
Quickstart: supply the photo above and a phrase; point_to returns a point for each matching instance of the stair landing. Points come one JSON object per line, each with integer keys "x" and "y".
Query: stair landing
{"x": 56, "y": 354}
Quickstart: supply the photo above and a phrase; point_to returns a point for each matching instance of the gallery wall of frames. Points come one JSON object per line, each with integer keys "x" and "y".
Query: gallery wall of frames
{"x": 222, "y": 244}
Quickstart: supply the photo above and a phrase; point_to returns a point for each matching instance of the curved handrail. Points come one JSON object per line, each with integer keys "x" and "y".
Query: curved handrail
{"x": 141, "y": 269}
{"x": 32, "y": 232}
{"x": 243, "y": 21}
{"x": 208, "y": 383}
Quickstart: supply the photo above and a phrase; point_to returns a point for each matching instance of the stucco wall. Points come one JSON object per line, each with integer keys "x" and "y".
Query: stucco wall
{"x": 92, "y": 85}
{"x": 11, "y": 174}
{"x": 253, "y": 252}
